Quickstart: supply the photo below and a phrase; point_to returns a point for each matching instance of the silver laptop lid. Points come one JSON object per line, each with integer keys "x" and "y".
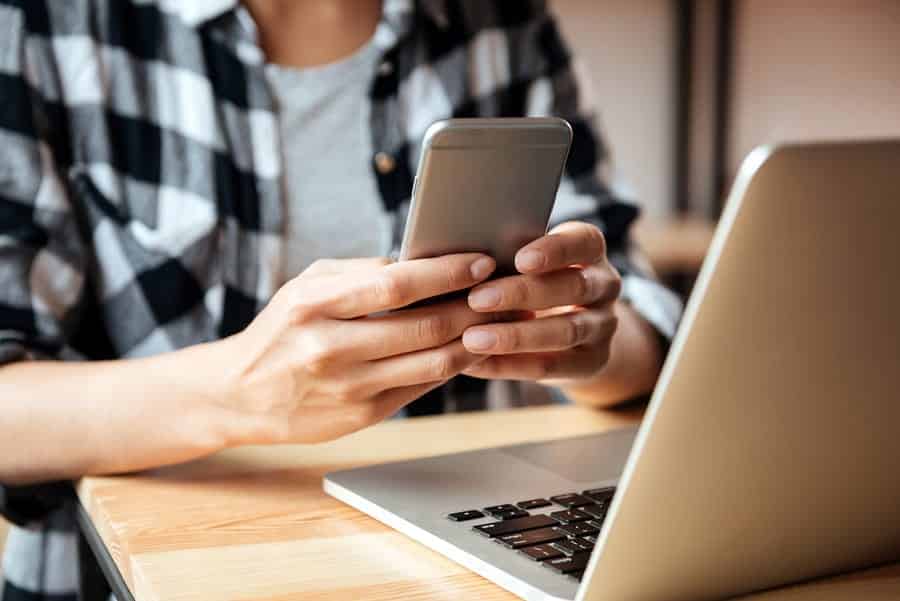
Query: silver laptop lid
{"x": 771, "y": 449}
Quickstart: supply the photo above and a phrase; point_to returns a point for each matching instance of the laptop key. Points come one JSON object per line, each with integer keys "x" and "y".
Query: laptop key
{"x": 571, "y": 500}
{"x": 595, "y": 524}
{"x": 495, "y": 509}
{"x": 572, "y": 546}
{"x": 570, "y": 515}
{"x": 591, "y": 538}
{"x": 511, "y": 514}
{"x": 600, "y": 494}
{"x": 532, "y": 522}
{"x": 577, "y": 529}
{"x": 568, "y": 565}
{"x": 597, "y": 510}
{"x": 464, "y": 516}
{"x": 531, "y": 537}
{"x": 541, "y": 552}
{"x": 533, "y": 503}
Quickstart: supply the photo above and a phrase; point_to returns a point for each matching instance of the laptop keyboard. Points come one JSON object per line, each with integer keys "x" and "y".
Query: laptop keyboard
{"x": 560, "y": 535}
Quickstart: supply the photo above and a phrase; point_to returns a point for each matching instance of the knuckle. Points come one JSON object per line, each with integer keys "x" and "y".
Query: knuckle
{"x": 319, "y": 353}
{"x": 583, "y": 285}
{"x": 509, "y": 338}
{"x": 316, "y": 367}
{"x": 292, "y": 302}
{"x": 390, "y": 290}
{"x": 444, "y": 365}
{"x": 435, "y": 329}
{"x": 574, "y": 331}
{"x": 348, "y": 391}
{"x": 364, "y": 415}
{"x": 299, "y": 313}
{"x": 520, "y": 290}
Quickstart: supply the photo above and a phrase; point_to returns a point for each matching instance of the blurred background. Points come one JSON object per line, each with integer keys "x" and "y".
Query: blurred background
{"x": 687, "y": 88}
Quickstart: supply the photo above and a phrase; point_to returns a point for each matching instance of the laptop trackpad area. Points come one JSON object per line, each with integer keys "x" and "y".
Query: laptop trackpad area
{"x": 582, "y": 459}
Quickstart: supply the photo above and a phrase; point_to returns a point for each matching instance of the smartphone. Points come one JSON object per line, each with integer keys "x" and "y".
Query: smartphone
{"x": 485, "y": 185}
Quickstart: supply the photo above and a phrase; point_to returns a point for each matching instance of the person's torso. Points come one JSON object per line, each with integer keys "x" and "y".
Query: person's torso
{"x": 168, "y": 137}
{"x": 171, "y": 141}
{"x": 332, "y": 206}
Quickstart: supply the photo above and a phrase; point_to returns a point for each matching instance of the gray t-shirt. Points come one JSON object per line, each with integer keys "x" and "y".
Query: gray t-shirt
{"x": 333, "y": 207}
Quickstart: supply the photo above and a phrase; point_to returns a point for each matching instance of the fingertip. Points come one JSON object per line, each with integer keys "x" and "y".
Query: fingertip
{"x": 479, "y": 340}
{"x": 484, "y": 299}
{"x": 529, "y": 260}
{"x": 482, "y": 267}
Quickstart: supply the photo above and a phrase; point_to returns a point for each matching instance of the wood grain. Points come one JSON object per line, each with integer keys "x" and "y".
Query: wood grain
{"x": 253, "y": 523}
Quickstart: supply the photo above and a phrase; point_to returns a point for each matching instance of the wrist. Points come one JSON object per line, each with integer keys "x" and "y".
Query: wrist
{"x": 204, "y": 391}
{"x": 228, "y": 415}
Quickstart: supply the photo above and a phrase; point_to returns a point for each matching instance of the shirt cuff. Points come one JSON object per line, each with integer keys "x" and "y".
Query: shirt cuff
{"x": 27, "y": 506}
{"x": 654, "y": 302}
{"x": 12, "y": 347}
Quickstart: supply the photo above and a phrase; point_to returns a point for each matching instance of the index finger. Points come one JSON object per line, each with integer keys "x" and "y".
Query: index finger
{"x": 324, "y": 267}
{"x": 572, "y": 243}
{"x": 394, "y": 286}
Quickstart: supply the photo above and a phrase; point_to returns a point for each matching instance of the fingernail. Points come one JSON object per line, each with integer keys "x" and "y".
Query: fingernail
{"x": 530, "y": 260}
{"x": 479, "y": 340}
{"x": 482, "y": 268}
{"x": 484, "y": 299}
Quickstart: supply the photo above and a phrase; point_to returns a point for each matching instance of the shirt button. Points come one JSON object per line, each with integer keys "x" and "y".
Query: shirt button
{"x": 386, "y": 68}
{"x": 385, "y": 163}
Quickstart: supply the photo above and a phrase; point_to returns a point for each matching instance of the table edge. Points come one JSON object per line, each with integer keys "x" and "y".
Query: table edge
{"x": 101, "y": 554}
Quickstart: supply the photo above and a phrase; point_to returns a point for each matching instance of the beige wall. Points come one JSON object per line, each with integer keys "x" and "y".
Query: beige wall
{"x": 803, "y": 70}
{"x": 809, "y": 70}
{"x": 626, "y": 47}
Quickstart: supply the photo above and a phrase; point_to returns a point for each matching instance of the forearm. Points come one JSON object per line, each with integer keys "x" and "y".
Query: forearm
{"x": 65, "y": 420}
{"x": 634, "y": 364}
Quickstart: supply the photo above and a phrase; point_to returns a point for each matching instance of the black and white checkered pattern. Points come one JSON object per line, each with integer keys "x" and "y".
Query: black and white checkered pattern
{"x": 141, "y": 204}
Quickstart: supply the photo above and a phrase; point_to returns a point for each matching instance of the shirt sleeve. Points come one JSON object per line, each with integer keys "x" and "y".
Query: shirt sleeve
{"x": 586, "y": 192}
{"x": 42, "y": 253}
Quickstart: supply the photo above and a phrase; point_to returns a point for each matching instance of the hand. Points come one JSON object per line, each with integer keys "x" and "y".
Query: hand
{"x": 565, "y": 294}
{"x": 317, "y": 363}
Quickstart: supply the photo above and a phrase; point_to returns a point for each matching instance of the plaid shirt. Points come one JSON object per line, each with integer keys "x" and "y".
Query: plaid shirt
{"x": 141, "y": 198}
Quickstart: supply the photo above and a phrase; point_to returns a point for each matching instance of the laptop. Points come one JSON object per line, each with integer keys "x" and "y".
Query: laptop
{"x": 770, "y": 450}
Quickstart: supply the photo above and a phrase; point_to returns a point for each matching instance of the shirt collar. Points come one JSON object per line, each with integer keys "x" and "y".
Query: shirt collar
{"x": 198, "y": 12}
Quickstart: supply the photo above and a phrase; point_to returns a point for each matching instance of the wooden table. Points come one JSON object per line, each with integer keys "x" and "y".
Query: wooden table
{"x": 254, "y": 524}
